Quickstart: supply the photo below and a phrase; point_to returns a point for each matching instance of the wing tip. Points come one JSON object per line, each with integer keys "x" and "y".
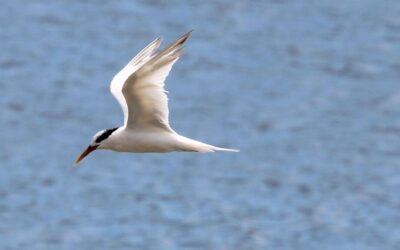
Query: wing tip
{"x": 159, "y": 40}
{"x": 184, "y": 37}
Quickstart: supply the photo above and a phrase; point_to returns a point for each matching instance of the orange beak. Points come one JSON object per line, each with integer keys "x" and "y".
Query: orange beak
{"x": 85, "y": 153}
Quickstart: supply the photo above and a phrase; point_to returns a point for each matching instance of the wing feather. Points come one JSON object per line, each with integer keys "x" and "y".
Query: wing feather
{"x": 145, "y": 54}
{"x": 119, "y": 79}
{"x": 144, "y": 91}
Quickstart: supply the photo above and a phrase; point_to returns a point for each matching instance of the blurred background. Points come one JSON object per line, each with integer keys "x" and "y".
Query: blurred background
{"x": 308, "y": 90}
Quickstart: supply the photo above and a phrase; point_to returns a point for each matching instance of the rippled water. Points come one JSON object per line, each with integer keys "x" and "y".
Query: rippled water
{"x": 308, "y": 90}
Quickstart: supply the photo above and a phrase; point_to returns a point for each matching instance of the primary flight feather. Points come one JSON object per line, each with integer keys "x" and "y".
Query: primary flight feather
{"x": 139, "y": 89}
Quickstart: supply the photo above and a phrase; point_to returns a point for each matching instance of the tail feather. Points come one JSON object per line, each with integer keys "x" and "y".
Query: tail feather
{"x": 226, "y": 149}
{"x": 187, "y": 144}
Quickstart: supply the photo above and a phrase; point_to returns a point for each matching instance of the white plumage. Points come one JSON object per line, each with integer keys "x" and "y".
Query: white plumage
{"x": 139, "y": 89}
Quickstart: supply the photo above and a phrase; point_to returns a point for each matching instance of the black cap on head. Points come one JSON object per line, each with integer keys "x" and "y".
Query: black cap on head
{"x": 104, "y": 135}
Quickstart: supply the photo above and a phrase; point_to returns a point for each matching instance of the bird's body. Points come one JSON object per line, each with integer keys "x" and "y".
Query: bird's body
{"x": 153, "y": 141}
{"x": 139, "y": 89}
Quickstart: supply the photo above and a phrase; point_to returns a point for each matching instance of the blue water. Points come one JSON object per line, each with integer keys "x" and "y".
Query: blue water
{"x": 308, "y": 90}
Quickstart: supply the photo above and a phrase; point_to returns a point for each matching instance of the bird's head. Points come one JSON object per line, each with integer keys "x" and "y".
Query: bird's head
{"x": 98, "y": 139}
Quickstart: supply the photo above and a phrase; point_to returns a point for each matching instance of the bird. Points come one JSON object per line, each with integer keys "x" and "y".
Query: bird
{"x": 139, "y": 89}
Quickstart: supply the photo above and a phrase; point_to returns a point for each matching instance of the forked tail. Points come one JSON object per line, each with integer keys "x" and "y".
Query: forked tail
{"x": 226, "y": 149}
{"x": 187, "y": 144}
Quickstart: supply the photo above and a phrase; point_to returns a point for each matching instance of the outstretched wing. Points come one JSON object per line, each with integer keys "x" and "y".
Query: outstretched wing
{"x": 119, "y": 79}
{"x": 143, "y": 90}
